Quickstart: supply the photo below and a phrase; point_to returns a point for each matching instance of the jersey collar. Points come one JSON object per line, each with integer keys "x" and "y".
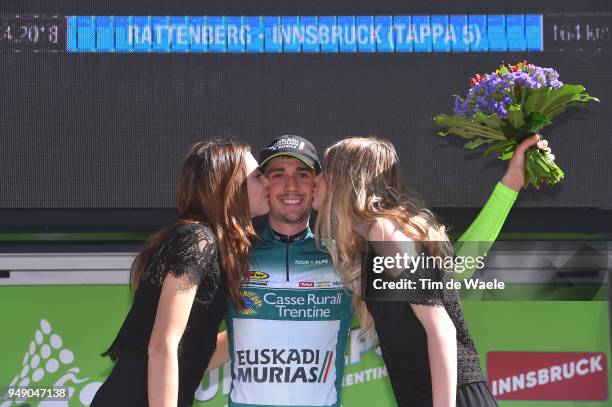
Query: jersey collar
{"x": 279, "y": 237}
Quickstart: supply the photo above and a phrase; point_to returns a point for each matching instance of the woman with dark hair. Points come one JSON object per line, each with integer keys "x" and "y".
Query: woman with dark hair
{"x": 426, "y": 345}
{"x": 182, "y": 278}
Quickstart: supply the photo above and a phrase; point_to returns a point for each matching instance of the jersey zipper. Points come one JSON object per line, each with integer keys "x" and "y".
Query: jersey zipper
{"x": 287, "y": 260}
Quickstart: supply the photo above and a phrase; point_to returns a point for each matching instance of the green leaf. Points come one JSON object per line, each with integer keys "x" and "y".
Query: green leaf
{"x": 551, "y": 102}
{"x": 493, "y": 120}
{"x": 507, "y": 155}
{"x": 540, "y": 169}
{"x": 508, "y": 130}
{"x": 487, "y": 127}
{"x": 533, "y": 124}
{"x": 536, "y": 121}
{"x": 557, "y": 100}
{"x": 442, "y": 119}
{"x": 476, "y": 143}
{"x": 535, "y": 99}
{"x": 499, "y": 147}
{"x": 560, "y": 96}
{"x": 515, "y": 116}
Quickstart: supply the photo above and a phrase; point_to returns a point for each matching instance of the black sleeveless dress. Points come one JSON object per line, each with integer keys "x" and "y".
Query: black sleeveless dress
{"x": 403, "y": 344}
{"x": 187, "y": 251}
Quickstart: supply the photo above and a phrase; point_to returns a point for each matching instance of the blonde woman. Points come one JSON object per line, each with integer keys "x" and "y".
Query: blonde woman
{"x": 429, "y": 353}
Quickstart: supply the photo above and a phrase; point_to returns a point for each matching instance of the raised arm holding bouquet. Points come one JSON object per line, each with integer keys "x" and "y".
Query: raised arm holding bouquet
{"x": 504, "y": 107}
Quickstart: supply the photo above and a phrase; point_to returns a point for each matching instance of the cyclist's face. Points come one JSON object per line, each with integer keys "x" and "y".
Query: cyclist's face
{"x": 290, "y": 185}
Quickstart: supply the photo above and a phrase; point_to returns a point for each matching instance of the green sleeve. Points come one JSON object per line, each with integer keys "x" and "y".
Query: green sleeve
{"x": 485, "y": 227}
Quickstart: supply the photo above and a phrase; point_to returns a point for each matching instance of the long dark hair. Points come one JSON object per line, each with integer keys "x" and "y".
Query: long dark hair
{"x": 212, "y": 189}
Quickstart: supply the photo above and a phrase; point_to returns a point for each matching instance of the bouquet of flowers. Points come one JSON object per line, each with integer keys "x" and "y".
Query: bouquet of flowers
{"x": 504, "y": 107}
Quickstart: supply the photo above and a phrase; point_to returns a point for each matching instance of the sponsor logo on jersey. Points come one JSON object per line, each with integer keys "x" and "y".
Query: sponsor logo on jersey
{"x": 252, "y": 283}
{"x": 252, "y": 303}
{"x": 319, "y": 284}
{"x": 284, "y": 365}
{"x": 307, "y": 262}
{"x": 559, "y": 376}
{"x": 256, "y": 275}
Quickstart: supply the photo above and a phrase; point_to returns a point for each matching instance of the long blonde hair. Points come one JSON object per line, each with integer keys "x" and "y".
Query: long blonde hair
{"x": 363, "y": 185}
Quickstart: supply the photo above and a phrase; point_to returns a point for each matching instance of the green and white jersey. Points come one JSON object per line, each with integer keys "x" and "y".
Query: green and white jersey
{"x": 287, "y": 344}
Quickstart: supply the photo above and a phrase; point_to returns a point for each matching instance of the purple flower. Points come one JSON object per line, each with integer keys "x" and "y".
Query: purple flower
{"x": 495, "y": 92}
{"x": 501, "y": 112}
{"x": 457, "y": 109}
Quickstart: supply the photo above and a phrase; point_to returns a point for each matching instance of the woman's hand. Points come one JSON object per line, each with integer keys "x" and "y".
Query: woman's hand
{"x": 515, "y": 174}
{"x": 319, "y": 193}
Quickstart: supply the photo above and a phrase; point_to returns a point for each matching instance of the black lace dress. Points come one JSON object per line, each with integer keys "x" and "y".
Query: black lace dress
{"x": 403, "y": 343}
{"x": 188, "y": 251}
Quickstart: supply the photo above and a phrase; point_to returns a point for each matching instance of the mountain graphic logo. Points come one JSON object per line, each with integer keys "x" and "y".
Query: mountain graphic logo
{"x": 48, "y": 362}
{"x": 252, "y": 303}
